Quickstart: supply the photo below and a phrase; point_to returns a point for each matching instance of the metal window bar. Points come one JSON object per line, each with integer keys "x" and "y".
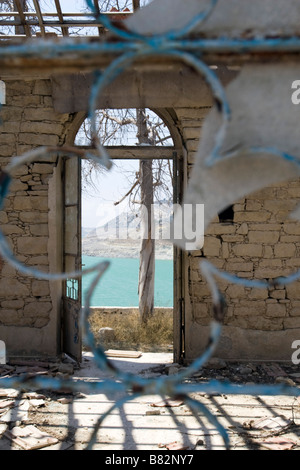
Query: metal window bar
{"x": 72, "y": 289}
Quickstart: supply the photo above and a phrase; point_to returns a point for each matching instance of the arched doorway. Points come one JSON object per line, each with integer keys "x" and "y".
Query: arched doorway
{"x": 164, "y": 149}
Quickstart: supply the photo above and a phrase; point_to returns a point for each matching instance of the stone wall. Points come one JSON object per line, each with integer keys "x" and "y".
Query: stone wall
{"x": 261, "y": 242}
{"x": 29, "y": 219}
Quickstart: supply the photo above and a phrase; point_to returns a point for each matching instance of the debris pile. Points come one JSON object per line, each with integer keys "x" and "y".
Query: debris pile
{"x": 18, "y": 408}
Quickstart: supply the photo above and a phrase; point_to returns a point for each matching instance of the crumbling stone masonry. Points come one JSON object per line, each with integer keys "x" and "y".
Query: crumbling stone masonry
{"x": 260, "y": 241}
{"x": 31, "y": 220}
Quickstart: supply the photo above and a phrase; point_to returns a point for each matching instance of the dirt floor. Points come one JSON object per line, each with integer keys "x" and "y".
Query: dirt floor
{"x": 64, "y": 420}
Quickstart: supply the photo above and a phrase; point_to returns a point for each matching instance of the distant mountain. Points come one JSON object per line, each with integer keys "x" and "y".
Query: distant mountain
{"x": 86, "y": 230}
{"x": 121, "y": 236}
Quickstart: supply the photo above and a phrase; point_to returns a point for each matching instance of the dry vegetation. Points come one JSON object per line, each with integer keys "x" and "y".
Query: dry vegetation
{"x": 130, "y": 333}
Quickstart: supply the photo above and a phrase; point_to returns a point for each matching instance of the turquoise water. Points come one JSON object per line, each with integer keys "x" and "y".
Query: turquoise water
{"x": 118, "y": 287}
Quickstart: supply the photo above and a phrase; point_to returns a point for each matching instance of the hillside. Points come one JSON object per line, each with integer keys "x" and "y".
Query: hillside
{"x": 121, "y": 237}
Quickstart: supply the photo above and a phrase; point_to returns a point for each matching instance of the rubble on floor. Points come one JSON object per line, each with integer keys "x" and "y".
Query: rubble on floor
{"x": 243, "y": 372}
{"x": 18, "y": 407}
{"x": 40, "y": 419}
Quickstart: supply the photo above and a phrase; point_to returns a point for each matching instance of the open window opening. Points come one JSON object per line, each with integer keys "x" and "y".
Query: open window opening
{"x": 227, "y": 215}
{"x": 126, "y": 215}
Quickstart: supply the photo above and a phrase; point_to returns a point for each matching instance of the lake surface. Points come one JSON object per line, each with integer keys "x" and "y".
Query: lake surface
{"x": 119, "y": 285}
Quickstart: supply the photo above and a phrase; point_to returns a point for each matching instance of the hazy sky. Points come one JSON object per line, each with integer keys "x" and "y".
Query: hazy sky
{"x": 110, "y": 188}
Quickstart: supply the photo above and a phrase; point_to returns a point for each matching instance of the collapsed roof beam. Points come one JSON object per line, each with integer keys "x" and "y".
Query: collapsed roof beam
{"x": 40, "y": 16}
{"x": 64, "y": 30}
{"x": 25, "y": 29}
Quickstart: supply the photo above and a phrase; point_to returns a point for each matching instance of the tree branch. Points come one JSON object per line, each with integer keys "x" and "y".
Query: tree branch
{"x": 128, "y": 193}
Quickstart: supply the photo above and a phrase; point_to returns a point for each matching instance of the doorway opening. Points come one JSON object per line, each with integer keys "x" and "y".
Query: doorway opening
{"x": 118, "y": 213}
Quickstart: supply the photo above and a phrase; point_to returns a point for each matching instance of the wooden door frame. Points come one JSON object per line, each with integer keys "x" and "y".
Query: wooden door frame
{"x": 177, "y": 153}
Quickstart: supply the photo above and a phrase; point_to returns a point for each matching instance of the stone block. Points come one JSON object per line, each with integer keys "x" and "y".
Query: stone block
{"x": 192, "y": 132}
{"x": 12, "y": 288}
{"x": 258, "y": 294}
{"x": 42, "y": 168}
{"x": 294, "y": 192}
{"x": 17, "y": 185}
{"x": 248, "y": 250}
{"x": 9, "y": 229}
{"x": 39, "y": 229}
{"x": 293, "y": 291}
{"x": 271, "y": 263}
{"x": 40, "y": 288}
{"x": 42, "y": 87}
{"x": 32, "y": 217}
{"x": 211, "y": 246}
{"x": 3, "y": 217}
{"x": 259, "y": 216}
{"x": 278, "y": 294}
{"x": 235, "y": 292}
{"x": 291, "y": 323}
{"x": 37, "y": 309}
{"x": 225, "y": 253}
{"x": 249, "y": 311}
{"x": 22, "y": 203}
{"x": 42, "y": 128}
{"x": 39, "y": 203}
{"x": 289, "y": 239}
{"x": 235, "y": 238}
{"x": 12, "y": 304}
{"x": 192, "y": 113}
{"x": 234, "y": 267}
{"x": 41, "y": 114}
{"x": 268, "y": 238}
{"x": 6, "y": 150}
{"x": 38, "y": 139}
{"x": 32, "y": 245}
{"x": 38, "y": 261}
{"x": 220, "y": 229}
{"x": 243, "y": 229}
{"x": 285, "y": 250}
{"x": 292, "y": 228}
{"x": 276, "y": 310}
{"x": 9, "y": 317}
{"x": 278, "y": 205}
{"x": 268, "y": 273}
{"x": 268, "y": 227}
{"x": 11, "y": 113}
{"x": 192, "y": 145}
{"x": 253, "y": 205}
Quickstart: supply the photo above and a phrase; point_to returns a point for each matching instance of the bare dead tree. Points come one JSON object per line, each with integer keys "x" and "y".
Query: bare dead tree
{"x": 147, "y": 251}
{"x": 152, "y": 183}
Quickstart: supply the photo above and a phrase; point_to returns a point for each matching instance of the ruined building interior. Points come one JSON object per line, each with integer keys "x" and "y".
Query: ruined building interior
{"x": 47, "y": 73}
